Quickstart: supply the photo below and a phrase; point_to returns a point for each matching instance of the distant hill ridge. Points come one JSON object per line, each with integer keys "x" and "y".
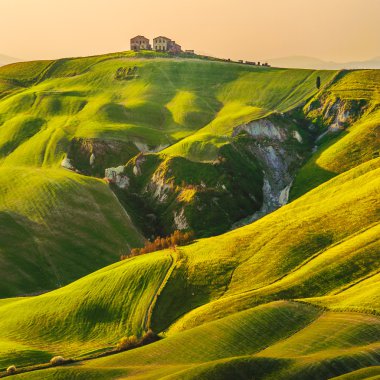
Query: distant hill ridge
{"x": 6, "y": 60}
{"x": 319, "y": 64}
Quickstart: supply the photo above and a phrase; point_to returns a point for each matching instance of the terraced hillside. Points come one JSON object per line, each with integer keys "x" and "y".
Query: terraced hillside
{"x": 190, "y": 144}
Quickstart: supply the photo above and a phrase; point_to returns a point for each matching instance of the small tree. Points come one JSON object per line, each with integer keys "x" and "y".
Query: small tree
{"x": 318, "y": 82}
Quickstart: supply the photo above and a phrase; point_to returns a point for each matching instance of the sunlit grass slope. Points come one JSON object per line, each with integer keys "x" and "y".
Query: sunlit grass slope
{"x": 283, "y": 339}
{"x": 326, "y": 252}
{"x": 252, "y": 95}
{"x": 91, "y": 313}
{"x": 57, "y": 226}
{"x": 358, "y": 143}
{"x": 280, "y": 298}
{"x": 47, "y": 105}
{"x": 189, "y": 104}
{"x": 298, "y": 251}
{"x": 372, "y": 373}
{"x": 167, "y": 100}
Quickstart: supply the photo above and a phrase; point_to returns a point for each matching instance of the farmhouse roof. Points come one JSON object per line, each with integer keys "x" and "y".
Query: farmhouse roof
{"x": 139, "y": 37}
{"x": 166, "y": 38}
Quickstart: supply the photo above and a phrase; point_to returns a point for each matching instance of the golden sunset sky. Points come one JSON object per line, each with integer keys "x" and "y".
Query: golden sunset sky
{"x": 339, "y": 30}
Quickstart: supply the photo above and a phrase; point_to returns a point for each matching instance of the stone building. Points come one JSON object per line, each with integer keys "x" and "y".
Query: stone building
{"x": 140, "y": 43}
{"x": 166, "y": 44}
{"x": 175, "y": 48}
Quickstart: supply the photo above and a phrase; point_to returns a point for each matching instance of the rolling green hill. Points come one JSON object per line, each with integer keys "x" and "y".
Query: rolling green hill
{"x": 78, "y": 114}
{"x": 189, "y": 144}
{"x": 351, "y": 106}
{"x": 57, "y": 226}
{"x": 245, "y": 344}
{"x": 216, "y": 279}
{"x": 166, "y": 100}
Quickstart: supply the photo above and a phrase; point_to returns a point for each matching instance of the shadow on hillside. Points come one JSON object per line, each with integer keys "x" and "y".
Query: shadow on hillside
{"x": 20, "y": 255}
{"x": 311, "y": 175}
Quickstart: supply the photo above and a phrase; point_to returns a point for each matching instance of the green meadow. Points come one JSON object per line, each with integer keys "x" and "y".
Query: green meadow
{"x": 293, "y": 295}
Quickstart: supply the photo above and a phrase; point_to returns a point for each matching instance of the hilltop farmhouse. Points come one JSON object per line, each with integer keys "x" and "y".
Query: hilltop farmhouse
{"x": 166, "y": 44}
{"x": 140, "y": 43}
{"x": 160, "y": 43}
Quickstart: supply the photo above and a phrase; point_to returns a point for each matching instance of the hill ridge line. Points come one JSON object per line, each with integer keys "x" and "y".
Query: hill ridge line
{"x": 148, "y": 315}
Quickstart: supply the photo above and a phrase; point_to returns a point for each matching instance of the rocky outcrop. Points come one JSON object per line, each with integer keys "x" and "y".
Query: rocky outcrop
{"x": 66, "y": 163}
{"x": 278, "y": 145}
{"x": 251, "y": 177}
{"x": 145, "y": 148}
{"x": 93, "y": 156}
{"x": 138, "y": 162}
{"x": 334, "y": 115}
{"x": 284, "y": 195}
{"x": 92, "y": 159}
{"x": 180, "y": 220}
{"x": 159, "y": 187}
{"x": 181, "y": 194}
{"x": 118, "y": 177}
{"x": 262, "y": 128}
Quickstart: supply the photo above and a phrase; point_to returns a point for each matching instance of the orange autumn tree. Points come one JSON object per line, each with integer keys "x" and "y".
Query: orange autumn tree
{"x": 177, "y": 238}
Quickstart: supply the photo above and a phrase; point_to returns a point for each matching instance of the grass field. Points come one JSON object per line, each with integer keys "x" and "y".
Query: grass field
{"x": 358, "y": 143}
{"x": 47, "y": 105}
{"x": 169, "y": 100}
{"x": 216, "y": 279}
{"x": 57, "y": 226}
{"x": 75, "y": 317}
{"x": 293, "y": 295}
{"x": 284, "y": 340}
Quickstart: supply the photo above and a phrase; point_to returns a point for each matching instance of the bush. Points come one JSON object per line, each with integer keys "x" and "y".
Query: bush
{"x": 11, "y": 369}
{"x": 57, "y": 360}
{"x": 127, "y": 343}
{"x": 171, "y": 241}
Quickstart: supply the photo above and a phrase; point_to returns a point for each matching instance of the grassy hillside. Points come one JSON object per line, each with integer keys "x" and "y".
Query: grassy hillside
{"x": 294, "y": 348}
{"x": 57, "y": 226}
{"x": 365, "y": 373}
{"x": 352, "y": 102}
{"x": 300, "y": 240}
{"x": 293, "y": 295}
{"x": 277, "y": 340}
{"x": 222, "y": 276}
{"x": 79, "y": 111}
{"x": 252, "y": 95}
{"x": 76, "y": 318}
{"x": 165, "y": 101}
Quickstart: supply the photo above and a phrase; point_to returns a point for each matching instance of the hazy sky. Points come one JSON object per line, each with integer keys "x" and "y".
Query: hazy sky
{"x": 338, "y": 30}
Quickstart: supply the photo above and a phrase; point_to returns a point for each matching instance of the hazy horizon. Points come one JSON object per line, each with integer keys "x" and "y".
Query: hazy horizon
{"x": 337, "y": 30}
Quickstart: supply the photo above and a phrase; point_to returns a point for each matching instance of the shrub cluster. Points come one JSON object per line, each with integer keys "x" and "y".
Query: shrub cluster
{"x": 123, "y": 74}
{"x": 11, "y": 370}
{"x": 57, "y": 360}
{"x": 176, "y": 238}
{"x": 127, "y": 343}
